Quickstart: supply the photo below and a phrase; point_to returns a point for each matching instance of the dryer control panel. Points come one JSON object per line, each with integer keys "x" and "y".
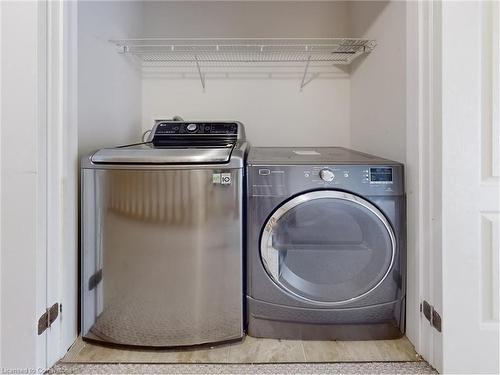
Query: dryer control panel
{"x": 288, "y": 180}
{"x": 380, "y": 175}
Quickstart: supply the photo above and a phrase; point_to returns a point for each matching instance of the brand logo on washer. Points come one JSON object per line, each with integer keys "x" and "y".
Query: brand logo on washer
{"x": 221, "y": 178}
{"x": 225, "y": 178}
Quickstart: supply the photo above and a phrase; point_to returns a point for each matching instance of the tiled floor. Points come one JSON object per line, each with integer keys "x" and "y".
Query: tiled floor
{"x": 252, "y": 350}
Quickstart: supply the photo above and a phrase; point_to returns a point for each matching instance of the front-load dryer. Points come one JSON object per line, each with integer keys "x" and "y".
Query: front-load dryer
{"x": 326, "y": 247}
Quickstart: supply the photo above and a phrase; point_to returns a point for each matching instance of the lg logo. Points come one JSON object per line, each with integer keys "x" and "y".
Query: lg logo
{"x": 226, "y": 178}
{"x": 221, "y": 178}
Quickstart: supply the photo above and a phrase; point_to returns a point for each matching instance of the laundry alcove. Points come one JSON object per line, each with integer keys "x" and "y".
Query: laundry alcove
{"x": 422, "y": 91}
{"x": 296, "y": 73}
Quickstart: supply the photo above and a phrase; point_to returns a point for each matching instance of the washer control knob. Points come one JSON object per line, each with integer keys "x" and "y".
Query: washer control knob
{"x": 191, "y": 127}
{"x": 326, "y": 175}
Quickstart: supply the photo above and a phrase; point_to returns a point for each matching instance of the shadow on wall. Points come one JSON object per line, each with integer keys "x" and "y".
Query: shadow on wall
{"x": 363, "y": 15}
{"x": 366, "y": 13}
{"x": 248, "y": 19}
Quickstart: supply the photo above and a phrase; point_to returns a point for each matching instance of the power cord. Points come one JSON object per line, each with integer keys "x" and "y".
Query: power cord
{"x": 148, "y": 132}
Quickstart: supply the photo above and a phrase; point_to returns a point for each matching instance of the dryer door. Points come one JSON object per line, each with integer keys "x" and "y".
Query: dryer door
{"x": 328, "y": 247}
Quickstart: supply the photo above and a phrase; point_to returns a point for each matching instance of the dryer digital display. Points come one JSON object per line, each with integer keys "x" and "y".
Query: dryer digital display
{"x": 381, "y": 175}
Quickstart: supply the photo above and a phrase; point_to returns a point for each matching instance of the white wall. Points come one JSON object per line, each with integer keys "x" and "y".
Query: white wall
{"x": 109, "y": 85}
{"x": 378, "y": 81}
{"x": 250, "y": 19}
{"x": 379, "y": 115}
{"x": 273, "y": 110}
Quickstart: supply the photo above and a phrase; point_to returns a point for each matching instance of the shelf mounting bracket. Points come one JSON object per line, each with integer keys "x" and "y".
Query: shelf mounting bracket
{"x": 370, "y": 46}
{"x": 202, "y": 76}
{"x": 304, "y": 82}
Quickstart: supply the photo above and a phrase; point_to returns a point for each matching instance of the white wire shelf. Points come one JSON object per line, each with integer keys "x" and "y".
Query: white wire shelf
{"x": 205, "y": 52}
{"x": 340, "y": 51}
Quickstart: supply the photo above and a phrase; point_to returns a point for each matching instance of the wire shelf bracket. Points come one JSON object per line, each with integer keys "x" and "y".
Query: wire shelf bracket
{"x": 202, "y": 76}
{"x": 304, "y": 82}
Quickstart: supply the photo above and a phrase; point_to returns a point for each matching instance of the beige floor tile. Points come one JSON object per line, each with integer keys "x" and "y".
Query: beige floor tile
{"x": 212, "y": 355}
{"x": 88, "y": 352}
{"x": 252, "y": 350}
{"x": 73, "y": 351}
{"x": 359, "y": 351}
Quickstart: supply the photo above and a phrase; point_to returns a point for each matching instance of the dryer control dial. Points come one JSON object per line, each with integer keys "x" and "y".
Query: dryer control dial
{"x": 326, "y": 175}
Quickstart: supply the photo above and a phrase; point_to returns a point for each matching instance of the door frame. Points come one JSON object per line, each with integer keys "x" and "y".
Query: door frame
{"x": 62, "y": 174}
{"x": 422, "y": 168}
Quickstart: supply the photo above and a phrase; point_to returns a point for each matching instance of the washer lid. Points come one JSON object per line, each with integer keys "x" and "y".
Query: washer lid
{"x": 148, "y": 154}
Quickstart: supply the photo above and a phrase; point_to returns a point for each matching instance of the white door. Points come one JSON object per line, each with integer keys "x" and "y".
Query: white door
{"x": 470, "y": 188}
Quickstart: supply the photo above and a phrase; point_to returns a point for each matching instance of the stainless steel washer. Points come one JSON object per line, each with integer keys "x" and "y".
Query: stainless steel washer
{"x": 162, "y": 236}
{"x": 326, "y": 247}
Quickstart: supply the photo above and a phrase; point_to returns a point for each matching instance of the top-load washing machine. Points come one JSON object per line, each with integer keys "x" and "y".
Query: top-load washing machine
{"x": 326, "y": 247}
{"x": 162, "y": 237}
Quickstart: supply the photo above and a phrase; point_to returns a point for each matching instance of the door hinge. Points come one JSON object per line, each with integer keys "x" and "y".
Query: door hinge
{"x": 48, "y": 317}
{"x": 431, "y": 315}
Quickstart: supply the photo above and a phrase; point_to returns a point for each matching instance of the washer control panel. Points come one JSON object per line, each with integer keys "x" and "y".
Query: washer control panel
{"x": 199, "y": 128}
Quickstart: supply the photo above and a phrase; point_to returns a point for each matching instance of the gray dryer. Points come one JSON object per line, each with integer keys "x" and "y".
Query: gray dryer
{"x": 326, "y": 249}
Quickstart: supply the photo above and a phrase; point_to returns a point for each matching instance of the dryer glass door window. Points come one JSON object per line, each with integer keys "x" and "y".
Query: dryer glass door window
{"x": 328, "y": 247}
